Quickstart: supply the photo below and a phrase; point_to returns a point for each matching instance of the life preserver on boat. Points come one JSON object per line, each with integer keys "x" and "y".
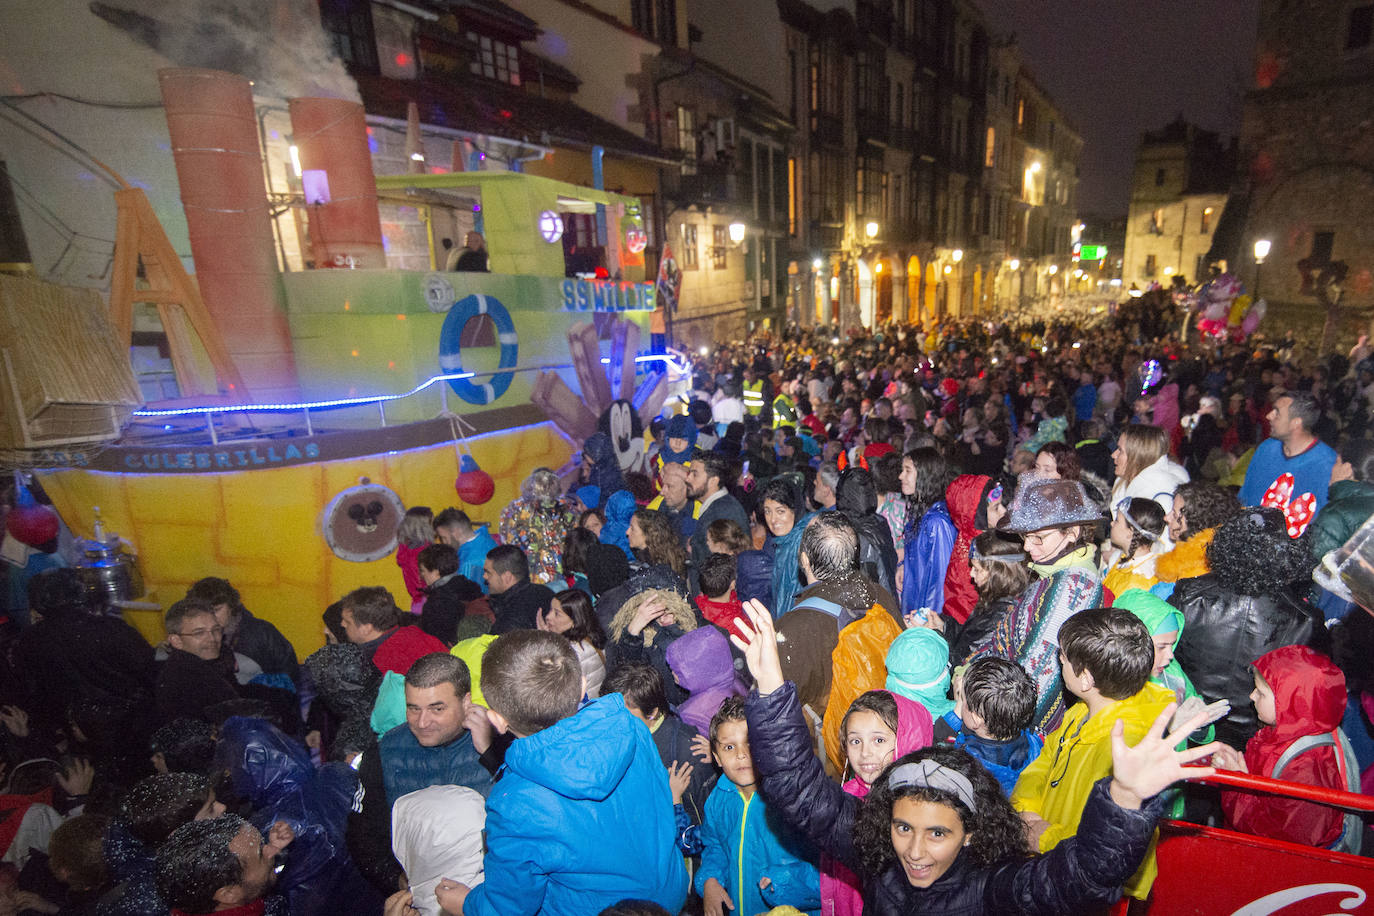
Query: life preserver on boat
{"x": 451, "y": 349}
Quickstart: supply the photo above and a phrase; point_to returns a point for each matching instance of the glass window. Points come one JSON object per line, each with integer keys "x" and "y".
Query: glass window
{"x": 688, "y": 256}
{"x": 720, "y": 241}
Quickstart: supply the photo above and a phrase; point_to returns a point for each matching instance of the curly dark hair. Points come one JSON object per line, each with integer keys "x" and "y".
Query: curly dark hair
{"x": 996, "y": 830}
{"x": 1252, "y": 553}
{"x": 1205, "y": 505}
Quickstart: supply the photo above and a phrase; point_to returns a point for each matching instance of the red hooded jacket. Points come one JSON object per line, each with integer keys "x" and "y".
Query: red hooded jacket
{"x": 964, "y": 498}
{"x": 1309, "y": 699}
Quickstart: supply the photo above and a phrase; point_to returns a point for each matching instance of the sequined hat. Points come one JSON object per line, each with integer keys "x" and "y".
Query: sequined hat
{"x": 1046, "y": 502}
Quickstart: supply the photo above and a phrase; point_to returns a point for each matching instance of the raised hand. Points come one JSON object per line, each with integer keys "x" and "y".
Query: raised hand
{"x": 1153, "y": 765}
{"x": 479, "y": 726}
{"x": 759, "y": 643}
{"x": 76, "y": 779}
{"x": 645, "y": 614}
{"x": 679, "y": 778}
{"x": 16, "y": 720}
{"x": 701, "y": 748}
{"x": 280, "y": 835}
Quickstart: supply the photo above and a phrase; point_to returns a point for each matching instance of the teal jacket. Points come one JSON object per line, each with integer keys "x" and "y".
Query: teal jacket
{"x": 1349, "y": 503}
{"x": 473, "y": 554}
{"x": 746, "y": 842}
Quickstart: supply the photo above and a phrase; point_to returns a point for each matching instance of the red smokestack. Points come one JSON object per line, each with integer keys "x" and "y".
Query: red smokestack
{"x": 214, "y": 133}
{"x": 331, "y": 136}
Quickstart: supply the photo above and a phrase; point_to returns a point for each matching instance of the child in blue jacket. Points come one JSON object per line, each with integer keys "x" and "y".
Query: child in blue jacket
{"x": 994, "y": 705}
{"x": 582, "y": 816}
{"x": 751, "y": 861}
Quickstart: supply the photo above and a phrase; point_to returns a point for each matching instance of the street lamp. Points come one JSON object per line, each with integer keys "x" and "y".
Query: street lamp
{"x": 1015, "y": 264}
{"x": 737, "y": 231}
{"x": 1262, "y": 247}
{"x": 871, "y": 229}
{"x": 816, "y": 264}
{"x": 957, "y": 255}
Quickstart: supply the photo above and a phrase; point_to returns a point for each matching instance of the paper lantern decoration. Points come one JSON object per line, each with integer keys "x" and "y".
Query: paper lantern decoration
{"x": 474, "y": 485}
{"x": 550, "y": 226}
{"x": 32, "y": 524}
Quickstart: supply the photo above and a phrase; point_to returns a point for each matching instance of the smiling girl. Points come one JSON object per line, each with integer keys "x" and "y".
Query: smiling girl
{"x": 879, "y": 727}
{"x": 935, "y": 835}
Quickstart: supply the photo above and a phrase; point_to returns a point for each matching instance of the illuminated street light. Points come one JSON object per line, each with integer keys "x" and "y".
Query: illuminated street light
{"x": 1054, "y": 269}
{"x": 1034, "y": 168}
{"x": 948, "y": 269}
{"x": 737, "y": 231}
{"x": 816, "y": 264}
{"x": 871, "y": 229}
{"x": 1015, "y": 264}
{"x": 957, "y": 255}
{"x": 1262, "y": 247}
{"x": 878, "y": 267}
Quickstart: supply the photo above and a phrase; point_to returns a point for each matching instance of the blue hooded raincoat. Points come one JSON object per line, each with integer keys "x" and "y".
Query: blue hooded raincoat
{"x": 582, "y": 818}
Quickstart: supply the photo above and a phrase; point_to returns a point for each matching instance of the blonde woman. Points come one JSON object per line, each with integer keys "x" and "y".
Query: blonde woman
{"x": 1143, "y": 469}
{"x": 414, "y": 533}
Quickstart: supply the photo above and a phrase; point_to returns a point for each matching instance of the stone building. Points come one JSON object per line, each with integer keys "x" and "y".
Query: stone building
{"x": 1307, "y": 148}
{"x": 1178, "y": 198}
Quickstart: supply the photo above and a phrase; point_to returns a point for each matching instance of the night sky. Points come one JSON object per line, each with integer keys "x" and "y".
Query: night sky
{"x": 1120, "y": 67}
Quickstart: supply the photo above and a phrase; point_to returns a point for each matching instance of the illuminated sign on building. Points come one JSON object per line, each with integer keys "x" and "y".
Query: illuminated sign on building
{"x": 1092, "y": 253}
{"x": 607, "y": 296}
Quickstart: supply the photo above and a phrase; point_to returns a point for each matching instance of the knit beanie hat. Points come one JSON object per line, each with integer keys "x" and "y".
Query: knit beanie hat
{"x": 918, "y": 669}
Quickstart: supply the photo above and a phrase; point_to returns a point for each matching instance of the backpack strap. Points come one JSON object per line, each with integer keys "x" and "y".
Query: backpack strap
{"x": 823, "y": 605}
{"x": 1298, "y": 747}
{"x": 1352, "y": 826}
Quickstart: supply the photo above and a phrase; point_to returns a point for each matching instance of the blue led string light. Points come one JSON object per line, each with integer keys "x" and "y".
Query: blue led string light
{"x": 360, "y": 401}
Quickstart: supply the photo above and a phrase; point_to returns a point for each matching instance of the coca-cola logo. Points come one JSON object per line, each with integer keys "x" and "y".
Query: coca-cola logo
{"x": 1280, "y": 900}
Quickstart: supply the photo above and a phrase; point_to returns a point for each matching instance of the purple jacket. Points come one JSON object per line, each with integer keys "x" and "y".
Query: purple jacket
{"x": 703, "y": 665}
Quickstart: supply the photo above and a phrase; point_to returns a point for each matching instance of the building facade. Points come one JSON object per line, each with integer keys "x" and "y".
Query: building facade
{"x": 1178, "y": 196}
{"x": 910, "y": 162}
{"x": 1307, "y": 152}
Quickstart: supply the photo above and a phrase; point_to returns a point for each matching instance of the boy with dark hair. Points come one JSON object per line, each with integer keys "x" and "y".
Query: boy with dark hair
{"x": 750, "y": 862}
{"x": 447, "y": 592}
{"x": 582, "y": 816}
{"x": 642, "y": 688}
{"x": 718, "y": 602}
{"x": 1107, "y": 657}
{"x": 994, "y": 704}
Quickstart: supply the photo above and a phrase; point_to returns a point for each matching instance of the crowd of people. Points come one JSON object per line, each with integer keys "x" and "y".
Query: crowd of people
{"x": 902, "y": 623}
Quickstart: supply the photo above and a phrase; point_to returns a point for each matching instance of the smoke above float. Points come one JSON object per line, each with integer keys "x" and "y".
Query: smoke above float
{"x": 278, "y": 44}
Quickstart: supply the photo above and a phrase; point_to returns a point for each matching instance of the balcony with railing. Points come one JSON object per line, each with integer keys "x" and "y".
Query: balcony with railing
{"x": 711, "y": 183}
